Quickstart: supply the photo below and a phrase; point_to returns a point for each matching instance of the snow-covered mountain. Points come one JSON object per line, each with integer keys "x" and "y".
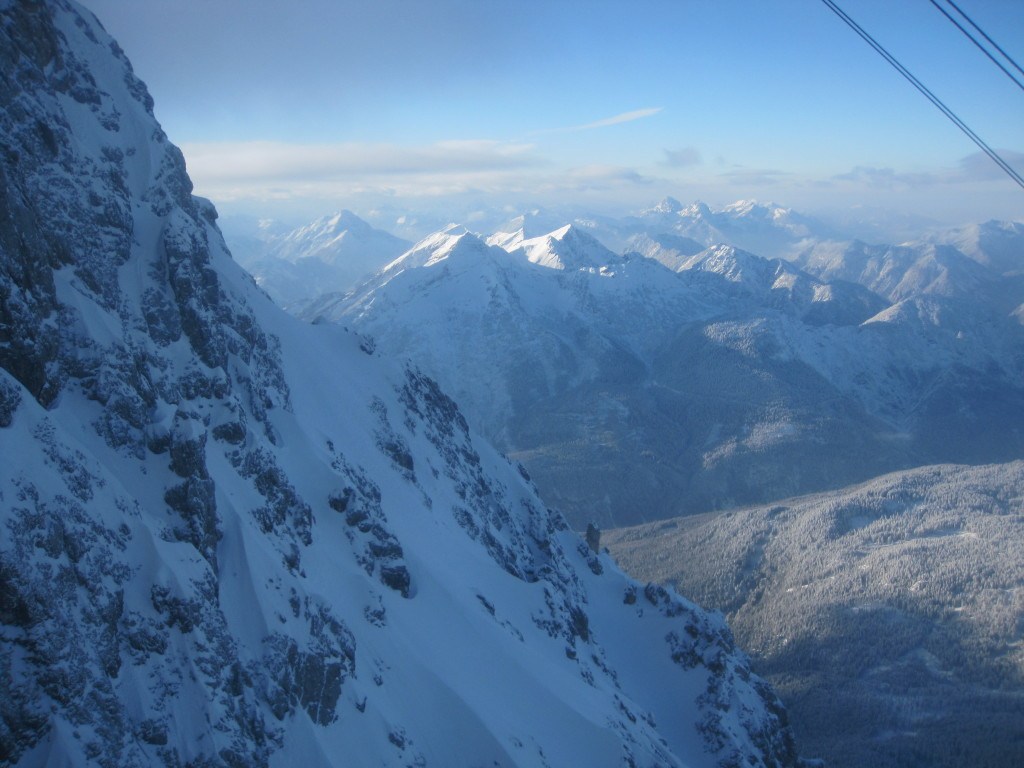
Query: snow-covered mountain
{"x": 231, "y": 538}
{"x": 779, "y": 284}
{"x": 764, "y": 228}
{"x": 890, "y": 615}
{"x": 339, "y": 238}
{"x": 668, "y": 249}
{"x": 900, "y": 272}
{"x": 998, "y": 245}
{"x": 332, "y": 253}
{"x": 633, "y": 391}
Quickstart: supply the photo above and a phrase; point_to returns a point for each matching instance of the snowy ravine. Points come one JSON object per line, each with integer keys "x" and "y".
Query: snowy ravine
{"x": 229, "y": 538}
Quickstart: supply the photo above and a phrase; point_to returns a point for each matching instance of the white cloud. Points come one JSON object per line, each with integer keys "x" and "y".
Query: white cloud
{"x": 488, "y": 170}
{"x": 265, "y": 161}
{"x": 682, "y": 158}
{"x": 980, "y": 167}
{"x": 886, "y": 178}
{"x": 973, "y": 168}
{"x": 604, "y": 176}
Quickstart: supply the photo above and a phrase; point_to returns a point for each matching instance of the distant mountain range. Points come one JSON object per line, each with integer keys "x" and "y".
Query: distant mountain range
{"x": 687, "y": 377}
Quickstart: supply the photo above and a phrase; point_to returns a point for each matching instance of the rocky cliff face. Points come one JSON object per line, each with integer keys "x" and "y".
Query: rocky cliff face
{"x": 233, "y": 539}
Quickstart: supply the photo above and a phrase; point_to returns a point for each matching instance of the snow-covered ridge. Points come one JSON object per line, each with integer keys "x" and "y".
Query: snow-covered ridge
{"x": 231, "y": 538}
{"x": 567, "y": 248}
{"x": 332, "y": 238}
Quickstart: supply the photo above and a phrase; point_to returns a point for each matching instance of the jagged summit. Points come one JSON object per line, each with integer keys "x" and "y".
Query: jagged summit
{"x": 568, "y": 247}
{"x": 332, "y": 253}
{"x": 667, "y": 205}
{"x": 322, "y": 238}
{"x": 454, "y": 241}
{"x": 766, "y": 229}
{"x": 532, "y": 223}
{"x": 696, "y": 209}
{"x": 755, "y": 208}
{"x": 332, "y": 239}
{"x": 345, "y": 219}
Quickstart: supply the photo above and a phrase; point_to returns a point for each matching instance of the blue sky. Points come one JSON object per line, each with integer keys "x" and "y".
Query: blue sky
{"x": 306, "y": 107}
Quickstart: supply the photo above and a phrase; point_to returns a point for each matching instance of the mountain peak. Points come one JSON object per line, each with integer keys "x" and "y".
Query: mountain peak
{"x": 321, "y": 234}
{"x": 753, "y": 209}
{"x": 344, "y": 220}
{"x": 568, "y": 233}
{"x": 566, "y": 248}
{"x": 452, "y": 241}
{"x": 743, "y": 206}
{"x": 697, "y": 209}
{"x": 668, "y": 204}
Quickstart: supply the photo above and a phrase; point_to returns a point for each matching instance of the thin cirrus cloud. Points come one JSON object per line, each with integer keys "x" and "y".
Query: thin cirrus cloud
{"x": 624, "y": 117}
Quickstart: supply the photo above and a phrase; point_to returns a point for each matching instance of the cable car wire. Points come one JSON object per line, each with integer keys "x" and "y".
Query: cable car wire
{"x": 981, "y": 47}
{"x": 926, "y": 92}
{"x": 992, "y": 42}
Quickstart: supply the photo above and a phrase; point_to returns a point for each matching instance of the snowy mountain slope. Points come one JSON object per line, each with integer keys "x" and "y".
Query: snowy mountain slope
{"x": 632, "y": 392}
{"x": 778, "y": 284}
{"x": 899, "y": 272}
{"x": 670, "y": 250}
{"x": 969, "y": 288}
{"x": 342, "y": 236}
{"x": 231, "y": 538}
{"x": 332, "y": 253}
{"x": 890, "y": 614}
{"x": 998, "y": 245}
{"x": 566, "y": 248}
